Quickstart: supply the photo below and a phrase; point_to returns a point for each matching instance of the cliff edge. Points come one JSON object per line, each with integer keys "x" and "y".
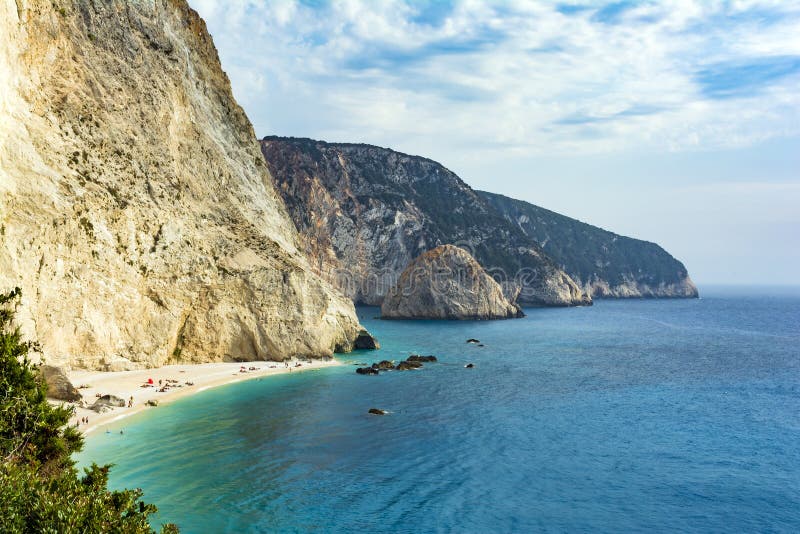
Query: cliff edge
{"x": 365, "y": 212}
{"x": 136, "y": 211}
{"x": 604, "y": 264}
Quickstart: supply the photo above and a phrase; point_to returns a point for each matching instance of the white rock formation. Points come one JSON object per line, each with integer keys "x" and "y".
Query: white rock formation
{"x": 136, "y": 212}
{"x": 447, "y": 283}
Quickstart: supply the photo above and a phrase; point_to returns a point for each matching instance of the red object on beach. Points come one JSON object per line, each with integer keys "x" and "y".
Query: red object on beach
{"x": 149, "y": 380}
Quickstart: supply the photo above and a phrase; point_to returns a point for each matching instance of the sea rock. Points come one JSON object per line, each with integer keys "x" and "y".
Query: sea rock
{"x": 377, "y": 411}
{"x": 408, "y": 366}
{"x": 136, "y": 210}
{"x": 384, "y": 365}
{"x": 365, "y": 340}
{"x": 105, "y": 402}
{"x": 351, "y": 201}
{"x": 418, "y": 358}
{"x": 447, "y": 283}
{"x": 367, "y": 371}
{"x": 58, "y": 384}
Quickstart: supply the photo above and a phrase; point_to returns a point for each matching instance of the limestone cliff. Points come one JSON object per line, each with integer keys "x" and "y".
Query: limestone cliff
{"x": 136, "y": 211}
{"x": 605, "y": 264}
{"x": 366, "y": 212}
{"x": 447, "y": 283}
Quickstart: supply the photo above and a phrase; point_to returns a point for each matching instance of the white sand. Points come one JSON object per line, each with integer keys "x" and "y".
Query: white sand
{"x": 127, "y": 384}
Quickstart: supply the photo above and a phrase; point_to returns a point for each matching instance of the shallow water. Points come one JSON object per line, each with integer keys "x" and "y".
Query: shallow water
{"x": 629, "y": 415}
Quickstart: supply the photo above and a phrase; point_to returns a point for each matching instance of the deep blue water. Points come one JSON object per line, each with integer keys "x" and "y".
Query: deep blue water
{"x": 656, "y": 415}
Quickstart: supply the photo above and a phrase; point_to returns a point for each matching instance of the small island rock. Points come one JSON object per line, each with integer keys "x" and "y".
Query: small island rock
{"x": 447, "y": 283}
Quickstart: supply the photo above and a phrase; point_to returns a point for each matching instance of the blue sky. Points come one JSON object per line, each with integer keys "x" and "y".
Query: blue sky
{"x": 675, "y": 121}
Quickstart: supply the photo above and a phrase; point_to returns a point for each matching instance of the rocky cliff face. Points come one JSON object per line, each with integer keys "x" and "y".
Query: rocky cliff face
{"x": 447, "y": 283}
{"x": 366, "y": 212}
{"x": 605, "y": 264}
{"x": 136, "y": 211}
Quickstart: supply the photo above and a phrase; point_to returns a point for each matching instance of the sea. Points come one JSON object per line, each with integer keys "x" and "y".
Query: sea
{"x": 626, "y": 416}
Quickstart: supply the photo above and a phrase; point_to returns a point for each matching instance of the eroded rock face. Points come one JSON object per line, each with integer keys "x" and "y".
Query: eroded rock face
{"x": 604, "y": 264}
{"x": 447, "y": 283}
{"x": 58, "y": 385}
{"x": 136, "y": 211}
{"x": 365, "y": 212}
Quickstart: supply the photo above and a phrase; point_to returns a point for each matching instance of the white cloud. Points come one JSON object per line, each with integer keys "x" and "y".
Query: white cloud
{"x": 506, "y": 77}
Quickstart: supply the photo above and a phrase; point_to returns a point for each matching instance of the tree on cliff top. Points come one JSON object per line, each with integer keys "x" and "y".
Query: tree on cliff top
{"x": 40, "y": 489}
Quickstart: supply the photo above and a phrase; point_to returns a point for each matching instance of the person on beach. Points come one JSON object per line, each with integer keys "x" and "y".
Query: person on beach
{"x": 130, "y": 402}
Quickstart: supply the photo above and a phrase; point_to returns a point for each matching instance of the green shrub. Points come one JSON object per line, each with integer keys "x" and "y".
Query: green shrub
{"x": 40, "y": 489}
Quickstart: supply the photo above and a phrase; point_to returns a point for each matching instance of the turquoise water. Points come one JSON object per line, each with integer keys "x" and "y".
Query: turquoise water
{"x": 626, "y": 416}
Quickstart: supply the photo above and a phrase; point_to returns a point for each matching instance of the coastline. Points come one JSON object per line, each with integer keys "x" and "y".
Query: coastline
{"x": 203, "y": 376}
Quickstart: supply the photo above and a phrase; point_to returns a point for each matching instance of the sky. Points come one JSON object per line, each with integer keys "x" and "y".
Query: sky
{"x": 675, "y": 121}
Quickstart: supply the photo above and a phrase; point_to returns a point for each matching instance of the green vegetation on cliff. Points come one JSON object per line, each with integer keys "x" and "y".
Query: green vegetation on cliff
{"x": 40, "y": 488}
{"x": 602, "y": 262}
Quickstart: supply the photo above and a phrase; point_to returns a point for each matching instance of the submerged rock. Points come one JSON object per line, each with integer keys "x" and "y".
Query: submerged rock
{"x": 58, "y": 384}
{"x": 365, "y": 340}
{"x": 447, "y": 283}
{"x": 367, "y": 371}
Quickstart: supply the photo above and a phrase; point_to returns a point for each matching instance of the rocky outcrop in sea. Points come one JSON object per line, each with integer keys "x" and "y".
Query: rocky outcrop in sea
{"x": 447, "y": 283}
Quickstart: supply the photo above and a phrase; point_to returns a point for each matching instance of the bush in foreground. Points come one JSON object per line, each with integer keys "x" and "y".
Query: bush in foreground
{"x": 40, "y": 489}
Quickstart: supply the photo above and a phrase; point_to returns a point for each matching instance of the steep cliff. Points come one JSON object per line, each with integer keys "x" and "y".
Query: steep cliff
{"x": 603, "y": 263}
{"x": 136, "y": 211}
{"x": 366, "y": 212}
{"x": 447, "y": 283}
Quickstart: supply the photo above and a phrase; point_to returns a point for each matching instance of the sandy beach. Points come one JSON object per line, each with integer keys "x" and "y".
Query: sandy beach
{"x": 184, "y": 380}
